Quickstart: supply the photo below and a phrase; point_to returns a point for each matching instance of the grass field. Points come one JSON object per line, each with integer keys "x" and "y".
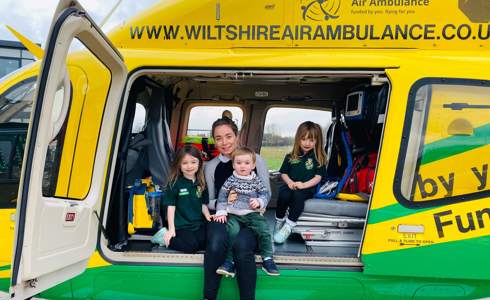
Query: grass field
{"x": 274, "y": 156}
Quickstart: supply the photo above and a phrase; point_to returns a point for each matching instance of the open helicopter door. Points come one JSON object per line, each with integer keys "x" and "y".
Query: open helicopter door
{"x": 68, "y": 153}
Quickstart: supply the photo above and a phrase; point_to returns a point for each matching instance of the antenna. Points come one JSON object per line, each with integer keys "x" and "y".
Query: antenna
{"x": 111, "y": 12}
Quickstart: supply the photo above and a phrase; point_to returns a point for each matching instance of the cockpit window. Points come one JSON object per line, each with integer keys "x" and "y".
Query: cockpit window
{"x": 15, "y": 111}
{"x": 16, "y": 102}
{"x": 444, "y": 153}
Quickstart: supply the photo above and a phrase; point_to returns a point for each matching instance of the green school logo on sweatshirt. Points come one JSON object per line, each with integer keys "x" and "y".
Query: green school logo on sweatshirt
{"x": 309, "y": 164}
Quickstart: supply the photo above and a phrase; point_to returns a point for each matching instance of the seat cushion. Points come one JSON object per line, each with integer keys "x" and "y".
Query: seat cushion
{"x": 336, "y": 207}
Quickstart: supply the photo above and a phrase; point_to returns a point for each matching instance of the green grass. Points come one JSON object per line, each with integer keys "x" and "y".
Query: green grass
{"x": 274, "y": 155}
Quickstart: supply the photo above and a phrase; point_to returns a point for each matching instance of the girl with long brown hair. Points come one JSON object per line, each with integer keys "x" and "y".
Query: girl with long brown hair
{"x": 301, "y": 170}
{"x": 187, "y": 200}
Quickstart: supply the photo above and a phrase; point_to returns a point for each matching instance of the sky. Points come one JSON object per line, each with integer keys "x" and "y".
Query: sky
{"x": 32, "y": 18}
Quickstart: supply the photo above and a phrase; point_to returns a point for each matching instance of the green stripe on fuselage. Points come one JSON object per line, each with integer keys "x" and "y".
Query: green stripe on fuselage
{"x": 4, "y": 282}
{"x": 432, "y": 152}
{"x": 462, "y": 259}
{"x": 3, "y": 268}
{"x": 455, "y": 145}
{"x": 391, "y": 212}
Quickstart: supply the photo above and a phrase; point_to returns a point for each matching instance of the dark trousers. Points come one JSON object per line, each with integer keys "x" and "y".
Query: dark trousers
{"x": 292, "y": 199}
{"x": 259, "y": 226}
{"x": 244, "y": 257}
{"x": 189, "y": 241}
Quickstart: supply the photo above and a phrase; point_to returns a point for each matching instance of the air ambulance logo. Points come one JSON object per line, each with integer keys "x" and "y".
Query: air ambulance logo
{"x": 478, "y": 11}
{"x": 320, "y": 10}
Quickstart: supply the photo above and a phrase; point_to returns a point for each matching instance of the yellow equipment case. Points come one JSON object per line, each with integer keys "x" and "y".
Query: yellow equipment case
{"x": 145, "y": 202}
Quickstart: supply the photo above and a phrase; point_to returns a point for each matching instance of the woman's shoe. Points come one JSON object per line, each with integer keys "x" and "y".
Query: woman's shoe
{"x": 282, "y": 235}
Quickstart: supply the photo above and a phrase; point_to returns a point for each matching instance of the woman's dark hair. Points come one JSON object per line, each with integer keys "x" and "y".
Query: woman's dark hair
{"x": 225, "y": 121}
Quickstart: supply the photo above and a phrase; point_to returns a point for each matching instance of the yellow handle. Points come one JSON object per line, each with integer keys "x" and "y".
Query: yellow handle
{"x": 131, "y": 229}
{"x": 351, "y": 197}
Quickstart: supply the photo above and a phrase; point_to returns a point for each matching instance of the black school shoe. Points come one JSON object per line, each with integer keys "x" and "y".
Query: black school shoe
{"x": 269, "y": 267}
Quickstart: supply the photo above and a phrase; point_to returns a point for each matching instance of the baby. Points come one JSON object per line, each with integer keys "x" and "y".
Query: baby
{"x": 252, "y": 195}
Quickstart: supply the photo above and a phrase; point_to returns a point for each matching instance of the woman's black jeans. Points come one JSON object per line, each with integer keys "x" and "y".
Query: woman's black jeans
{"x": 243, "y": 253}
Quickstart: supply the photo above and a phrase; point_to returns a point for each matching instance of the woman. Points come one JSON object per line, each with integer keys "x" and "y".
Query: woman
{"x": 225, "y": 134}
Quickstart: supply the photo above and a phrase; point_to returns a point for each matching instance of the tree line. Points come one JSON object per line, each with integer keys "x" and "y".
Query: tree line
{"x": 272, "y": 136}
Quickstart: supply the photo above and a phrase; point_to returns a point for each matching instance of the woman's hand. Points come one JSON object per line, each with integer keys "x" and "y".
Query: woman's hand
{"x": 232, "y": 196}
{"x": 292, "y": 185}
{"x": 254, "y": 203}
{"x": 220, "y": 219}
{"x": 168, "y": 236}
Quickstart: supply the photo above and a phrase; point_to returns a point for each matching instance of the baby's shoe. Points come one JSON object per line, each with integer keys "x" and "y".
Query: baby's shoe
{"x": 227, "y": 269}
{"x": 269, "y": 267}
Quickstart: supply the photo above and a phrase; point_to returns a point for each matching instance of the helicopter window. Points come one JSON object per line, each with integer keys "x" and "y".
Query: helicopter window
{"x": 78, "y": 109}
{"x": 202, "y": 117}
{"x": 280, "y": 128}
{"x": 140, "y": 116}
{"x": 445, "y": 157}
{"x": 16, "y": 102}
{"x": 5, "y": 150}
{"x": 15, "y": 111}
{"x": 11, "y": 153}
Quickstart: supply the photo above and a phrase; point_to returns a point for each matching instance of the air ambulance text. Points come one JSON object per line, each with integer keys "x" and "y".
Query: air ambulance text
{"x": 312, "y": 33}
